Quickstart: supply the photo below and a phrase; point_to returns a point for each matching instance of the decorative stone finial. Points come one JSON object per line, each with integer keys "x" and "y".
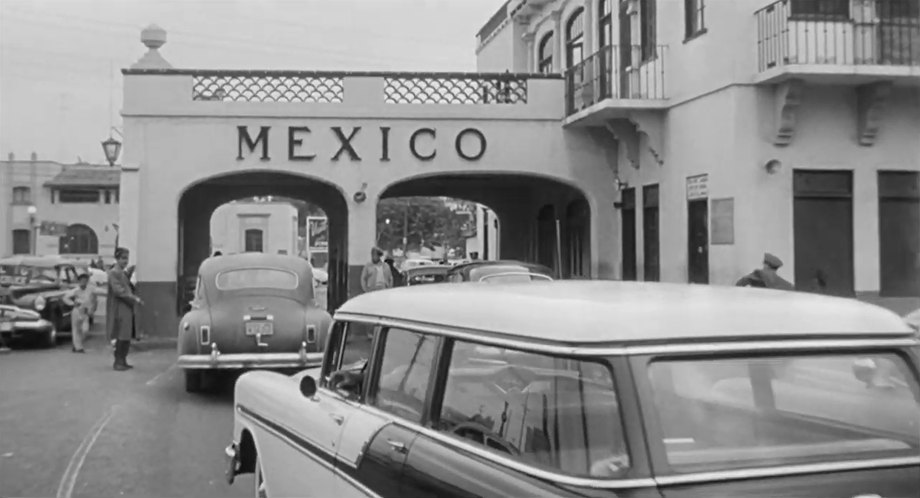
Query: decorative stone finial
{"x": 153, "y": 37}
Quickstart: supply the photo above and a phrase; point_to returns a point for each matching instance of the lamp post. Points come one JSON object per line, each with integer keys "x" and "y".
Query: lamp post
{"x": 33, "y": 228}
{"x": 111, "y": 147}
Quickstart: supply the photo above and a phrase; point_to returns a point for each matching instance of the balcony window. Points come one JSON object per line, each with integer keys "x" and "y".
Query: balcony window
{"x": 648, "y": 20}
{"x": 22, "y": 241}
{"x": 78, "y": 196}
{"x": 575, "y": 38}
{"x": 605, "y": 25}
{"x": 545, "y": 54}
{"x": 694, "y": 23}
{"x": 22, "y": 195}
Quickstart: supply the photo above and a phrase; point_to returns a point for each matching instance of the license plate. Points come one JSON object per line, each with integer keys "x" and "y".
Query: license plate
{"x": 6, "y": 326}
{"x": 259, "y": 328}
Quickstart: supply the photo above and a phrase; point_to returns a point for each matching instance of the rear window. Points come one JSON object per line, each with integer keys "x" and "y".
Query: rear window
{"x": 256, "y": 278}
{"x": 767, "y": 411}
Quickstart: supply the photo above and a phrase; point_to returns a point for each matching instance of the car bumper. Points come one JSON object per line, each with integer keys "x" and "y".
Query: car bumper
{"x": 250, "y": 360}
{"x": 233, "y": 462}
{"x": 27, "y": 328}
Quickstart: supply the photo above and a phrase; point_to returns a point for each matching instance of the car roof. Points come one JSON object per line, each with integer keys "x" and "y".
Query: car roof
{"x": 217, "y": 264}
{"x": 610, "y": 312}
{"x": 502, "y": 262}
{"x": 38, "y": 261}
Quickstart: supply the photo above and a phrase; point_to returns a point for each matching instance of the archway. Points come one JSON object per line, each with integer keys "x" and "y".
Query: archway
{"x": 531, "y": 209}
{"x": 199, "y": 201}
{"x": 79, "y": 239}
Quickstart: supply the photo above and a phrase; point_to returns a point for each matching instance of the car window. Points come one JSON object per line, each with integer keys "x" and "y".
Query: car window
{"x": 72, "y": 274}
{"x": 765, "y": 411}
{"x": 349, "y": 347}
{"x": 199, "y": 290}
{"x": 556, "y": 413}
{"x": 256, "y": 278}
{"x": 42, "y": 274}
{"x": 405, "y": 373}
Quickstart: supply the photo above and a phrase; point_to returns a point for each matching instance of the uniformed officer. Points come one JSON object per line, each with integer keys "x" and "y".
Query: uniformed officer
{"x": 766, "y": 276}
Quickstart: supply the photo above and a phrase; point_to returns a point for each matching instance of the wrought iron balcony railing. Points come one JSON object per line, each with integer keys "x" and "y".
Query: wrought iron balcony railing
{"x": 633, "y": 72}
{"x": 870, "y": 32}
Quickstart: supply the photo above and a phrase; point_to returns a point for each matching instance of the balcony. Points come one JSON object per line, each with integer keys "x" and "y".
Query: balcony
{"x": 610, "y": 85}
{"x": 838, "y": 41}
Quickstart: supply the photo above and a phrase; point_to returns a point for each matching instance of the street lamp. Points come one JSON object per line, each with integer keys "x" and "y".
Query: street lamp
{"x": 33, "y": 227}
{"x": 112, "y": 148}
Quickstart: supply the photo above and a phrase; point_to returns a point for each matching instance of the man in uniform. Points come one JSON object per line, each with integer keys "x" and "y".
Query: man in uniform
{"x": 766, "y": 276}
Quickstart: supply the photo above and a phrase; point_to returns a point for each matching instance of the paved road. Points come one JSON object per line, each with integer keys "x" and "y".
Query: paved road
{"x": 70, "y": 426}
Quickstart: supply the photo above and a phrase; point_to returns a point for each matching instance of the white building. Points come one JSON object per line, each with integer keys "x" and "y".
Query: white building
{"x": 269, "y": 227}
{"x": 485, "y": 241}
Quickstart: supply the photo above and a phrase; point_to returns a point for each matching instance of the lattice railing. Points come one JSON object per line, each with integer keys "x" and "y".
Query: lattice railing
{"x": 478, "y": 89}
{"x": 249, "y": 87}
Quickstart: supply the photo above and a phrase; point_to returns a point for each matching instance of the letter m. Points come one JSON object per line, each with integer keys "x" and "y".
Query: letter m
{"x": 251, "y": 144}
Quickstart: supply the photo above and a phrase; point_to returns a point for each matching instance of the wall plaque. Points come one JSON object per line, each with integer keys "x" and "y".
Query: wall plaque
{"x": 723, "y": 221}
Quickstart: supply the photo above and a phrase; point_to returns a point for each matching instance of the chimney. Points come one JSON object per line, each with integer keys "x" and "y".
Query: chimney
{"x": 34, "y": 157}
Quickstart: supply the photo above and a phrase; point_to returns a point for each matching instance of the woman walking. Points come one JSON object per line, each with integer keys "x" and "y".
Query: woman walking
{"x": 119, "y": 309}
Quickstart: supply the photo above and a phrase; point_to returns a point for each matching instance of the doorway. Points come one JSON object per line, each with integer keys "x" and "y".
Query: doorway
{"x": 650, "y": 236}
{"x": 22, "y": 241}
{"x": 823, "y": 229}
{"x": 628, "y": 224}
{"x": 899, "y": 233}
{"x": 698, "y": 241}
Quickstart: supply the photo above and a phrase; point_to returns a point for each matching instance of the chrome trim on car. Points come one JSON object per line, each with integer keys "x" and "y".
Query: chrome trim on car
{"x": 645, "y": 482}
{"x": 716, "y": 347}
{"x": 34, "y": 325}
{"x": 786, "y": 470}
{"x": 311, "y": 333}
{"x": 204, "y": 334}
{"x": 218, "y": 360}
{"x": 233, "y": 462}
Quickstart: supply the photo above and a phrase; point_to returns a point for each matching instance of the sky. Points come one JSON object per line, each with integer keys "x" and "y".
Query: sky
{"x": 61, "y": 60}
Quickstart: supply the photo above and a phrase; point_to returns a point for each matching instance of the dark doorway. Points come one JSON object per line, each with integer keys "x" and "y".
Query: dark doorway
{"x": 628, "y": 238}
{"x": 899, "y": 233}
{"x": 22, "y": 242}
{"x": 253, "y": 240}
{"x": 546, "y": 236}
{"x": 823, "y": 229}
{"x": 698, "y": 241}
{"x": 625, "y": 51}
{"x": 578, "y": 238}
{"x": 650, "y": 237}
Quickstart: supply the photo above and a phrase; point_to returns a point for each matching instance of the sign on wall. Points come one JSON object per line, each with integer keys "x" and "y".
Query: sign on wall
{"x": 723, "y": 221}
{"x": 697, "y": 187}
{"x": 317, "y": 233}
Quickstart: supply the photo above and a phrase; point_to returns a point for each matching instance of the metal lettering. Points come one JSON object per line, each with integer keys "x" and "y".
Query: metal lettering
{"x": 345, "y": 143}
{"x": 414, "y": 150}
{"x": 482, "y": 144}
{"x": 385, "y": 145}
{"x": 294, "y": 142}
{"x": 243, "y": 136}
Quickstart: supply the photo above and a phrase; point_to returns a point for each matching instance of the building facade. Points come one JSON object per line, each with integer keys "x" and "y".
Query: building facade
{"x": 269, "y": 227}
{"x": 52, "y": 208}
{"x": 741, "y": 127}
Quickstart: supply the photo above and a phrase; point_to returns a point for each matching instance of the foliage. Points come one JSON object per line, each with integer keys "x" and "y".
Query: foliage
{"x": 424, "y": 221}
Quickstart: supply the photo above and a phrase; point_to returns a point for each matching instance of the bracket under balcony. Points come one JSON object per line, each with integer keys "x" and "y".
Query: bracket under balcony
{"x": 870, "y": 104}
{"x": 638, "y": 132}
{"x": 786, "y": 101}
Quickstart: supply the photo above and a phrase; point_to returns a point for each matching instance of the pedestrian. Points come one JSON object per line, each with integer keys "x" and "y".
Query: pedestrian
{"x": 376, "y": 274}
{"x": 119, "y": 309}
{"x": 766, "y": 276}
{"x": 394, "y": 272}
{"x": 83, "y": 301}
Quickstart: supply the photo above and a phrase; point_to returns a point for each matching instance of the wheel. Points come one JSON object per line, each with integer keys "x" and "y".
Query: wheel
{"x": 49, "y": 340}
{"x": 259, "y": 480}
{"x": 193, "y": 380}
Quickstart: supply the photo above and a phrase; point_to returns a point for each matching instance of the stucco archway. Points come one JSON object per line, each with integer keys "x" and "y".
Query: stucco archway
{"x": 198, "y": 202}
{"x": 79, "y": 239}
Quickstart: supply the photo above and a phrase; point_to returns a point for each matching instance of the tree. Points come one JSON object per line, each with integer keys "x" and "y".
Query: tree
{"x": 423, "y": 221}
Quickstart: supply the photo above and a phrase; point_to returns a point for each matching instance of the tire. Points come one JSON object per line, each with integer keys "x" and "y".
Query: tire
{"x": 49, "y": 339}
{"x": 193, "y": 380}
{"x": 258, "y": 480}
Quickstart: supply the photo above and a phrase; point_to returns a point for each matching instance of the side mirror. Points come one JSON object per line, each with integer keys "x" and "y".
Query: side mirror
{"x": 308, "y": 386}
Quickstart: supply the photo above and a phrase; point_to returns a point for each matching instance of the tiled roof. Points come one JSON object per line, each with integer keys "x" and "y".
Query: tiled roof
{"x": 86, "y": 176}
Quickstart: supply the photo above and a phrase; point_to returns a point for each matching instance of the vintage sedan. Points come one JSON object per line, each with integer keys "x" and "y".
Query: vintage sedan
{"x": 420, "y": 275}
{"x": 39, "y": 283}
{"x": 251, "y": 310}
{"x": 502, "y": 271}
{"x": 17, "y": 324}
{"x": 589, "y": 388}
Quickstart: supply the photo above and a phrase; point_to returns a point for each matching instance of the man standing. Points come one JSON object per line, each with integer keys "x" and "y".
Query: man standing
{"x": 394, "y": 272}
{"x": 376, "y": 274}
{"x": 119, "y": 309}
{"x": 766, "y": 276}
{"x": 83, "y": 301}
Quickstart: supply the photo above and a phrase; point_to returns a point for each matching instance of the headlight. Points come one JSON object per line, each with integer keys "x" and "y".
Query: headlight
{"x": 39, "y": 303}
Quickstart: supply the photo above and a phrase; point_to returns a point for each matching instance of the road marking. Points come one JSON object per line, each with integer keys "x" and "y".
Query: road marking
{"x": 69, "y": 479}
{"x": 160, "y": 375}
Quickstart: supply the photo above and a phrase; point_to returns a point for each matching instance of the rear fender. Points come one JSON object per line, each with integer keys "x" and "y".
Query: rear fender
{"x": 193, "y": 327}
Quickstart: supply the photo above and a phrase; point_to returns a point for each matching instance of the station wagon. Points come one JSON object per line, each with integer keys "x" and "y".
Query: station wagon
{"x": 592, "y": 389}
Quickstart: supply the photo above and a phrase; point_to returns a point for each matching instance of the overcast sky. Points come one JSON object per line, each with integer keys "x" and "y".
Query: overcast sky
{"x": 60, "y": 60}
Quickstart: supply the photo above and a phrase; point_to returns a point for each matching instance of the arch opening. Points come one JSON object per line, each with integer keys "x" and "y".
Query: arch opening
{"x": 542, "y": 220}
{"x": 79, "y": 239}
{"x": 272, "y": 212}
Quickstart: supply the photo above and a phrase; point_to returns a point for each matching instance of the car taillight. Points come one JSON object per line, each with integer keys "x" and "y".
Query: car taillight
{"x": 204, "y": 334}
{"x": 311, "y": 334}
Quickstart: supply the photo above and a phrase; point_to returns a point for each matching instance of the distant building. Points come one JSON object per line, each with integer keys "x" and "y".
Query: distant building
{"x": 484, "y": 241}
{"x": 75, "y": 208}
{"x": 269, "y": 227}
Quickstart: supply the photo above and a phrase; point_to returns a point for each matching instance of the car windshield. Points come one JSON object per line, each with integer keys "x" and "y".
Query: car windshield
{"x": 256, "y": 278}
{"x": 20, "y": 274}
{"x": 766, "y": 411}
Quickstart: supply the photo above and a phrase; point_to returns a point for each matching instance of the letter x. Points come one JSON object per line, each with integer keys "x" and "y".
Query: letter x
{"x": 345, "y": 143}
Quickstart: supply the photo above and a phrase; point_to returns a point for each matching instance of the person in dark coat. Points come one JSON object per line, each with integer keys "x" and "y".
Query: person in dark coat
{"x": 119, "y": 309}
{"x": 397, "y": 275}
{"x": 766, "y": 277}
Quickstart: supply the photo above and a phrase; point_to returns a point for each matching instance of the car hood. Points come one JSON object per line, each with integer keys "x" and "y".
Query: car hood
{"x": 19, "y": 314}
{"x": 228, "y": 329}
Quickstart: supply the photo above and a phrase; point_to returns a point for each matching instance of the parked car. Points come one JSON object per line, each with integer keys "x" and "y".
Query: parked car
{"x": 426, "y": 275}
{"x": 17, "y": 324}
{"x": 589, "y": 388}
{"x": 39, "y": 283}
{"x": 320, "y": 276}
{"x": 251, "y": 310}
{"x": 913, "y": 319}
{"x": 415, "y": 262}
{"x": 502, "y": 271}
